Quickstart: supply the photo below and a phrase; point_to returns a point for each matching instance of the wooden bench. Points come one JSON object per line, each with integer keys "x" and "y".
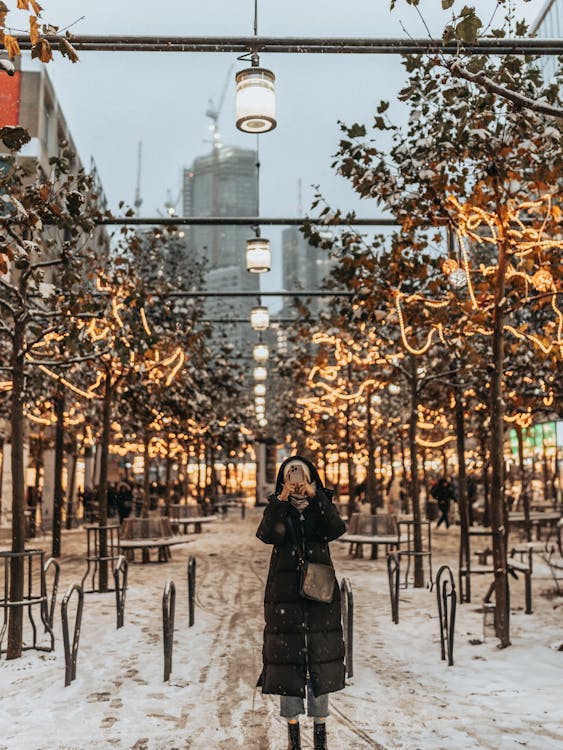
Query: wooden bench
{"x": 162, "y": 544}
{"x": 185, "y": 515}
{"x": 224, "y": 503}
{"x": 372, "y": 530}
{"x": 146, "y": 534}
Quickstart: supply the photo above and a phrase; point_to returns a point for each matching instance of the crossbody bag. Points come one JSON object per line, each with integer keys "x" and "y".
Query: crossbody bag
{"x": 316, "y": 580}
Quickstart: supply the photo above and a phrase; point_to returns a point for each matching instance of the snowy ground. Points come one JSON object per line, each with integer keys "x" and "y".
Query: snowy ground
{"x": 402, "y": 697}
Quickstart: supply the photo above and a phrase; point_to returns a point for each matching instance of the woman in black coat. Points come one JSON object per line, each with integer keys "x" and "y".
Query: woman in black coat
{"x": 303, "y": 651}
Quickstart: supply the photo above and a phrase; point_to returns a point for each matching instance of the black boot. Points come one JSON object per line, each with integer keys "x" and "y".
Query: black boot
{"x": 294, "y": 736}
{"x": 320, "y": 736}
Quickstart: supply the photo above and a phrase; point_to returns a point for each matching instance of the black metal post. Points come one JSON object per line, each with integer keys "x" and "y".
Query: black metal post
{"x": 71, "y": 651}
{"x": 393, "y": 574}
{"x": 168, "y": 611}
{"x": 191, "y": 589}
{"x": 446, "y": 611}
{"x": 50, "y": 600}
{"x": 120, "y": 578}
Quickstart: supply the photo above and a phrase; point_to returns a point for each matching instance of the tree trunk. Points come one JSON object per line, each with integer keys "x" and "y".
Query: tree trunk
{"x": 403, "y": 456}
{"x": 371, "y": 488}
{"x": 425, "y": 481}
{"x": 103, "y": 487}
{"x": 349, "y": 458}
{"x": 502, "y": 622}
{"x": 524, "y": 496}
{"x": 415, "y": 489}
{"x": 70, "y": 490}
{"x": 15, "y": 624}
{"x": 464, "y": 540}
{"x": 168, "y": 479}
{"x": 485, "y": 479}
{"x": 59, "y": 461}
{"x": 146, "y": 475}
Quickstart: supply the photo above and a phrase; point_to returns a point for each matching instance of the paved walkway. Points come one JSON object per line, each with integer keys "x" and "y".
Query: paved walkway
{"x": 401, "y": 697}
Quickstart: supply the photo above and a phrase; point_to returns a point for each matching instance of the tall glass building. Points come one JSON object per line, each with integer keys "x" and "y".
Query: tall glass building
{"x": 223, "y": 183}
{"x": 549, "y": 25}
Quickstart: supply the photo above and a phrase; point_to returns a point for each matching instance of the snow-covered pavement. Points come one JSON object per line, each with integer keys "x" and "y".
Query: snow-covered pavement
{"x": 402, "y": 697}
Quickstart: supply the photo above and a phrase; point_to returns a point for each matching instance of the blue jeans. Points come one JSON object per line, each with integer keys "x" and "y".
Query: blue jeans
{"x": 291, "y": 706}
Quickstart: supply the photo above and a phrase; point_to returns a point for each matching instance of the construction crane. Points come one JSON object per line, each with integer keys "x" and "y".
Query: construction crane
{"x": 214, "y": 111}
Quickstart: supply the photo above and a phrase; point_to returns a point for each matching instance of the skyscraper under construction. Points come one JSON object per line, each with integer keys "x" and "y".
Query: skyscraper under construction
{"x": 223, "y": 183}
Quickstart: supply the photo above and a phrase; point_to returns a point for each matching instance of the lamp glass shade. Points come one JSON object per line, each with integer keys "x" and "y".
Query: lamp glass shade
{"x": 259, "y": 318}
{"x": 258, "y": 255}
{"x": 259, "y": 389}
{"x": 255, "y": 100}
{"x": 260, "y": 373}
{"x": 261, "y": 352}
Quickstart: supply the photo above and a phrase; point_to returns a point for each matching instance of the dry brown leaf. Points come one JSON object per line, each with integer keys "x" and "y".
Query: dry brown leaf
{"x": 55, "y": 208}
{"x": 36, "y": 7}
{"x": 11, "y": 45}
{"x": 33, "y": 30}
{"x": 23, "y": 4}
{"x": 3, "y": 13}
{"x": 67, "y": 50}
{"x": 3, "y": 266}
{"x": 42, "y": 51}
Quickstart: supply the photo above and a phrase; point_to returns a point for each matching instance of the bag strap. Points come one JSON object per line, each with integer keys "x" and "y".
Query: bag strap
{"x": 293, "y": 535}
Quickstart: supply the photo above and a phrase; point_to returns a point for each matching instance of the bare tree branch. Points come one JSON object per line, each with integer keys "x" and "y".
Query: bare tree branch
{"x": 487, "y": 83}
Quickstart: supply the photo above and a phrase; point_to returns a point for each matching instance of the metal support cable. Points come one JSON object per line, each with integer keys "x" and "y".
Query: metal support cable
{"x": 302, "y": 45}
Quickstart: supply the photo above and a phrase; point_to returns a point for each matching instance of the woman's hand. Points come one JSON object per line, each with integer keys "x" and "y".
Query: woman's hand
{"x": 287, "y": 489}
{"x": 306, "y": 489}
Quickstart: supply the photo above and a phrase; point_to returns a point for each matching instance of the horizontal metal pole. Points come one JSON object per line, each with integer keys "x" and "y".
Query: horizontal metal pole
{"x": 237, "y": 321}
{"x": 298, "y": 45}
{"x": 245, "y": 293}
{"x": 249, "y": 221}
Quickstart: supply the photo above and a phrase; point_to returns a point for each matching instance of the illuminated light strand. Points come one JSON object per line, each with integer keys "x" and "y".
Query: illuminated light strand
{"x": 465, "y": 258}
{"x": 406, "y": 344}
{"x": 6, "y": 385}
{"x": 559, "y": 314}
{"x": 176, "y": 368}
{"x": 434, "y": 443}
{"x": 529, "y": 337}
{"x": 548, "y": 400}
{"x": 67, "y": 383}
{"x": 145, "y": 322}
{"x": 115, "y": 310}
{"x": 46, "y": 422}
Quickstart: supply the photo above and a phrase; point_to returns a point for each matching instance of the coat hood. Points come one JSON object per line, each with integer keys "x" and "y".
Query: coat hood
{"x": 312, "y": 470}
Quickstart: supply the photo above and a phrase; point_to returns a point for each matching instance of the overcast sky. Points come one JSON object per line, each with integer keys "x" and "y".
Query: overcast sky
{"x": 113, "y": 100}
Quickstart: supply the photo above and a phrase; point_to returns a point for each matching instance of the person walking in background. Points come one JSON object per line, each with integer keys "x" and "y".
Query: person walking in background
{"x": 393, "y": 494}
{"x": 303, "y": 649}
{"x": 443, "y": 492}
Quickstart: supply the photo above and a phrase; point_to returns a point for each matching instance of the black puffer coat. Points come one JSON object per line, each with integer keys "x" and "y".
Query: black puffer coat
{"x": 300, "y": 635}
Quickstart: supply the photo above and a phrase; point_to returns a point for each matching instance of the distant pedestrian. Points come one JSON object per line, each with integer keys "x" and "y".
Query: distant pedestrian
{"x": 124, "y": 501}
{"x": 303, "y": 651}
{"x": 443, "y": 492}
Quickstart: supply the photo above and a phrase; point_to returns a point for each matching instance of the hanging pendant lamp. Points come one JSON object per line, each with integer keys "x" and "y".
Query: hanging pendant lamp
{"x": 259, "y": 318}
{"x": 258, "y": 255}
{"x": 261, "y": 352}
{"x": 255, "y": 99}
